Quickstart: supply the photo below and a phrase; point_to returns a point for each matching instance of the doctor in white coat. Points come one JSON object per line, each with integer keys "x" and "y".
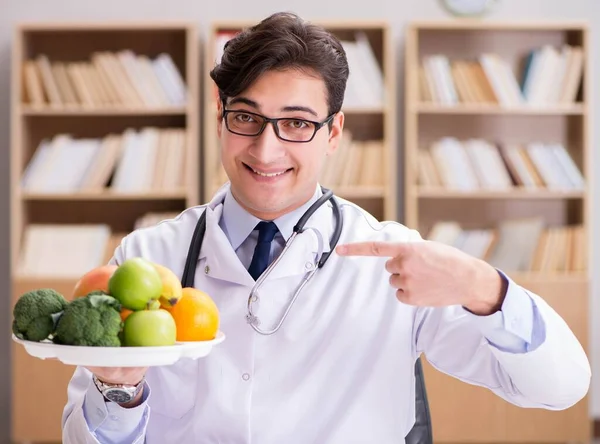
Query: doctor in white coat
{"x": 340, "y": 370}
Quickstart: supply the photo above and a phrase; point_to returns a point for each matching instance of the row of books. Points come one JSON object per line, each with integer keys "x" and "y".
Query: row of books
{"x": 146, "y": 160}
{"x": 355, "y": 163}
{"x": 477, "y": 164}
{"x": 109, "y": 79}
{"x": 66, "y": 251}
{"x": 62, "y": 250}
{"x": 365, "y": 87}
{"x": 550, "y": 76}
{"x": 519, "y": 245}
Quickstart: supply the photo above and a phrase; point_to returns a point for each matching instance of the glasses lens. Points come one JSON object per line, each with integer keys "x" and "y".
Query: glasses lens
{"x": 244, "y": 123}
{"x": 296, "y": 130}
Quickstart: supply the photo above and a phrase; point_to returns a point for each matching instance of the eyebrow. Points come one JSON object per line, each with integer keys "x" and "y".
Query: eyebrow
{"x": 254, "y": 105}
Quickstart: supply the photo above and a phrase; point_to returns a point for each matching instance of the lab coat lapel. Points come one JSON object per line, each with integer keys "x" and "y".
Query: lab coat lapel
{"x": 221, "y": 260}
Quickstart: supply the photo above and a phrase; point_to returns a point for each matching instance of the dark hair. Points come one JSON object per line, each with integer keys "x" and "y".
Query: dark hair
{"x": 282, "y": 40}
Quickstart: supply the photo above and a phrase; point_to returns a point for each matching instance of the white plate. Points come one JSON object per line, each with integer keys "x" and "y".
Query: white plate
{"x": 119, "y": 356}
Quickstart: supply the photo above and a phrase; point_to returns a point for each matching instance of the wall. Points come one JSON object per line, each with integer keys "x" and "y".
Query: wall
{"x": 398, "y": 12}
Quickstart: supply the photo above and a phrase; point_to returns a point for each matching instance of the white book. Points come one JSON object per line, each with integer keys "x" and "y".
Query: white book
{"x": 547, "y": 166}
{"x": 370, "y": 67}
{"x": 445, "y": 232}
{"x": 133, "y": 71}
{"x": 495, "y": 75}
{"x": 570, "y": 170}
{"x": 34, "y": 168}
{"x": 171, "y": 79}
{"x": 126, "y": 170}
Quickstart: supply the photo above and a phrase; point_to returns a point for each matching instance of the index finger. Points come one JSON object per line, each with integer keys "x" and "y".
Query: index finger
{"x": 370, "y": 248}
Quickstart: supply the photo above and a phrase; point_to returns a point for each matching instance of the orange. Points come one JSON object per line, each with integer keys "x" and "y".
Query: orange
{"x": 196, "y": 316}
{"x": 124, "y": 313}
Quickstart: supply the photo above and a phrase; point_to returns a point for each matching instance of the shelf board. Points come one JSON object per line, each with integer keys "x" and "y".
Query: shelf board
{"x": 516, "y": 193}
{"x": 104, "y": 196}
{"x": 108, "y": 111}
{"x": 553, "y": 110}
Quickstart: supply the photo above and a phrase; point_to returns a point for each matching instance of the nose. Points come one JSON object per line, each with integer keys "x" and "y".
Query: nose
{"x": 267, "y": 147}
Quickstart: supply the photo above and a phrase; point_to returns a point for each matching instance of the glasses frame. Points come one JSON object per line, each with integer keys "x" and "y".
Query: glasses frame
{"x": 273, "y": 121}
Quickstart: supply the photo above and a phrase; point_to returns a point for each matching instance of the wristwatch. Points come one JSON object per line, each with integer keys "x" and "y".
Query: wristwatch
{"x": 119, "y": 393}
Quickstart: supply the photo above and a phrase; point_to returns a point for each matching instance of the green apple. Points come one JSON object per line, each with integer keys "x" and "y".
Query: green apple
{"x": 135, "y": 283}
{"x": 147, "y": 328}
{"x": 153, "y": 304}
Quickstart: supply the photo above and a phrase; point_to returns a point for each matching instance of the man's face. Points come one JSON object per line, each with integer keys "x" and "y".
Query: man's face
{"x": 270, "y": 176}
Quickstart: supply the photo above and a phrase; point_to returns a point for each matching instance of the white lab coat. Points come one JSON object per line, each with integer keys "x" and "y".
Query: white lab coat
{"x": 340, "y": 370}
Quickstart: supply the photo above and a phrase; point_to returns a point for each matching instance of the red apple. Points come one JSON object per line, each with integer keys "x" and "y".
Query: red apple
{"x": 95, "y": 279}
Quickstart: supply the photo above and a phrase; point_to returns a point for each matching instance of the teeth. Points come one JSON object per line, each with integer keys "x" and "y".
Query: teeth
{"x": 268, "y": 174}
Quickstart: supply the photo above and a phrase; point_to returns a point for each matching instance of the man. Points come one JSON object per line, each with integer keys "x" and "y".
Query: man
{"x": 340, "y": 368}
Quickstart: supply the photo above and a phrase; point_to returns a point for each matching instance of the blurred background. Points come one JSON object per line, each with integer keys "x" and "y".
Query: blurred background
{"x": 469, "y": 120}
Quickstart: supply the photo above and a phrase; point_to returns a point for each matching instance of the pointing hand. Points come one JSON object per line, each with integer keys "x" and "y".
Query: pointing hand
{"x": 434, "y": 274}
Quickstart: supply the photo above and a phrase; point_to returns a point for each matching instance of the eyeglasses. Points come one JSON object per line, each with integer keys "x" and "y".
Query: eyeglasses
{"x": 246, "y": 123}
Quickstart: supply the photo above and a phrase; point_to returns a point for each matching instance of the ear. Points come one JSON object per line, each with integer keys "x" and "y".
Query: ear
{"x": 335, "y": 134}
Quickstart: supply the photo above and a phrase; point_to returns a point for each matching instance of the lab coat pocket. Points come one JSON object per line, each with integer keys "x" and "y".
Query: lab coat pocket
{"x": 173, "y": 388}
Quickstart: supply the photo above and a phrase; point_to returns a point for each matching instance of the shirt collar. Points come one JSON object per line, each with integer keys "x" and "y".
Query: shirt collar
{"x": 237, "y": 223}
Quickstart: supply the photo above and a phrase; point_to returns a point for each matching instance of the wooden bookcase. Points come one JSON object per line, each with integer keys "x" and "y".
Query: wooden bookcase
{"x": 368, "y": 180}
{"x": 455, "y": 121}
{"x": 94, "y": 96}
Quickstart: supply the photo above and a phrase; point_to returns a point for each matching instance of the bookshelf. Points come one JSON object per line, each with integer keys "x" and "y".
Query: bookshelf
{"x": 498, "y": 163}
{"x": 105, "y": 136}
{"x": 363, "y": 170}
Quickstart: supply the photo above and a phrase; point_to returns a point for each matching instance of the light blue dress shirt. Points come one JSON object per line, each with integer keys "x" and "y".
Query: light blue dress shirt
{"x": 516, "y": 328}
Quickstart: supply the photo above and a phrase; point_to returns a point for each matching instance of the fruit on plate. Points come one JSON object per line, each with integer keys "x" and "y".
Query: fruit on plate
{"x": 92, "y": 320}
{"x": 138, "y": 303}
{"x": 196, "y": 316}
{"x": 136, "y": 283}
{"x": 150, "y": 327}
{"x": 94, "y": 280}
{"x": 171, "y": 290}
{"x": 125, "y": 312}
{"x": 35, "y": 314}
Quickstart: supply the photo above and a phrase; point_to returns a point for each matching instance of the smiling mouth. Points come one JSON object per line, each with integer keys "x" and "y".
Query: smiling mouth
{"x": 265, "y": 174}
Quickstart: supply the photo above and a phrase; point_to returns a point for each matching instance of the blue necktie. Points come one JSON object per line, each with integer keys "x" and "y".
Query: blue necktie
{"x": 262, "y": 251}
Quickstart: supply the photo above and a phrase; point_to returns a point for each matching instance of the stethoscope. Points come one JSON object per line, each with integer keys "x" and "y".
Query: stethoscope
{"x": 198, "y": 237}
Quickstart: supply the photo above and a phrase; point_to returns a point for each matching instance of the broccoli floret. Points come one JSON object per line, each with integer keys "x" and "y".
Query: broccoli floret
{"x": 35, "y": 313}
{"x": 92, "y": 320}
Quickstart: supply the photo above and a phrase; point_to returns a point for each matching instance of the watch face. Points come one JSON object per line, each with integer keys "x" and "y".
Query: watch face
{"x": 117, "y": 395}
